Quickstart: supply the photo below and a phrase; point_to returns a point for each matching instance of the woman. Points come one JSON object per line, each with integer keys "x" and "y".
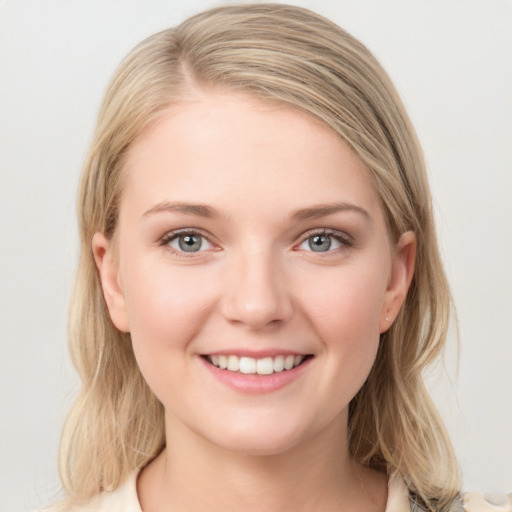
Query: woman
{"x": 259, "y": 286}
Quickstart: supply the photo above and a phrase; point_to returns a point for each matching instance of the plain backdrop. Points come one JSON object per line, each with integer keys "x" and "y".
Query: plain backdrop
{"x": 451, "y": 62}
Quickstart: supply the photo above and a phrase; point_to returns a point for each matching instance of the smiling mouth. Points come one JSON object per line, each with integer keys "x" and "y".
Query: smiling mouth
{"x": 262, "y": 366}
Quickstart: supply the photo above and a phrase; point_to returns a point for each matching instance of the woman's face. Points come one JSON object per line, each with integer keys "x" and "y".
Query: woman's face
{"x": 249, "y": 235}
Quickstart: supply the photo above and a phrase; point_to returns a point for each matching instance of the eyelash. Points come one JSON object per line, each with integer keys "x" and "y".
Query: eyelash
{"x": 173, "y": 235}
{"x": 345, "y": 240}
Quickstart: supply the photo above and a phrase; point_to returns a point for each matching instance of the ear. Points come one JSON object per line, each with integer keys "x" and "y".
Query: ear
{"x": 108, "y": 269}
{"x": 402, "y": 271}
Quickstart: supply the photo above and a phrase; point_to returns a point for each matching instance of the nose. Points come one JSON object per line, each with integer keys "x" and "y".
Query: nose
{"x": 256, "y": 292}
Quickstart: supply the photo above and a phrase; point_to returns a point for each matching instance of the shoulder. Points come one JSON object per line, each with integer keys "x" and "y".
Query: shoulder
{"x": 400, "y": 499}
{"x": 477, "y": 502}
{"x": 472, "y": 502}
{"x": 122, "y": 499}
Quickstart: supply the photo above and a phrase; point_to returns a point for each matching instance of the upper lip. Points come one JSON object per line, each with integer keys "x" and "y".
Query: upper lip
{"x": 255, "y": 354}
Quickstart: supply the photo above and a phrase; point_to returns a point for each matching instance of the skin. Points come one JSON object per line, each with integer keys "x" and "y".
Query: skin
{"x": 254, "y": 285}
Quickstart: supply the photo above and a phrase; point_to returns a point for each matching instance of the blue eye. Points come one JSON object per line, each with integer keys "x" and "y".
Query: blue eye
{"x": 188, "y": 242}
{"x": 322, "y": 242}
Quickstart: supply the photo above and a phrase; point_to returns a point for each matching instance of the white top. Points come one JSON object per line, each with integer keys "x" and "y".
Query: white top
{"x": 124, "y": 499}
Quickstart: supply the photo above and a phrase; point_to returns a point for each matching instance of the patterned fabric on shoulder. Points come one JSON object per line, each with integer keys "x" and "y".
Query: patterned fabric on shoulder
{"x": 472, "y": 502}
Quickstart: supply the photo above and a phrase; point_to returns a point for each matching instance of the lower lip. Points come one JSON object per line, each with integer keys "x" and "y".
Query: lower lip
{"x": 254, "y": 384}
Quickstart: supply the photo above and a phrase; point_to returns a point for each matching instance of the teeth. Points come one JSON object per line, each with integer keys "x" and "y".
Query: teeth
{"x": 250, "y": 365}
{"x": 265, "y": 366}
{"x": 247, "y": 365}
{"x": 288, "y": 362}
{"x": 279, "y": 364}
{"x": 233, "y": 363}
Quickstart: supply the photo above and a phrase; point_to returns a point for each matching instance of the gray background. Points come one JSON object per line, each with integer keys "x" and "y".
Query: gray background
{"x": 452, "y": 63}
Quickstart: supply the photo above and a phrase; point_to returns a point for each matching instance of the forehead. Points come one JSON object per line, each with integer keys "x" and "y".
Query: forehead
{"x": 237, "y": 149}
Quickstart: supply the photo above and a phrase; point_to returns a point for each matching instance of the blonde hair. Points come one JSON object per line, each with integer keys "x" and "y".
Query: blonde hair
{"x": 293, "y": 56}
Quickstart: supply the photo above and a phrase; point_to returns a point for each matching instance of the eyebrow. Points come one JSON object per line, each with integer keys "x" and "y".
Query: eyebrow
{"x": 202, "y": 210}
{"x": 313, "y": 212}
{"x": 323, "y": 210}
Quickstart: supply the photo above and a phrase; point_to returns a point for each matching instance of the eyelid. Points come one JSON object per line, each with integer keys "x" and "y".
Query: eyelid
{"x": 172, "y": 235}
{"x": 344, "y": 238}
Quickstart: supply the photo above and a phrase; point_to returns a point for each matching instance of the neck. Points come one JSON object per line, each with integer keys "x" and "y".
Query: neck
{"x": 192, "y": 474}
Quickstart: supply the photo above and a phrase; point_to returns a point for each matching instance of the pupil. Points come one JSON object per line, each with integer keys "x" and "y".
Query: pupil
{"x": 189, "y": 243}
{"x": 320, "y": 243}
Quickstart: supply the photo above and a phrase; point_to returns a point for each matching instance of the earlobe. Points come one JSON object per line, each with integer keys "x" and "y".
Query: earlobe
{"x": 108, "y": 270}
{"x": 402, "y": 272}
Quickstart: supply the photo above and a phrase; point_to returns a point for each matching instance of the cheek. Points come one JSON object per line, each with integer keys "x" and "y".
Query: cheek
{"x": 165, "y": 309}
{"x": 348, "y": 301}
{"x": 345, "y": 312}
{"x": 163, "y": 299}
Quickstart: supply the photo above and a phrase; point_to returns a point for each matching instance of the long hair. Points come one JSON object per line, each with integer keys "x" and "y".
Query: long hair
{"x": 292, "y": 56}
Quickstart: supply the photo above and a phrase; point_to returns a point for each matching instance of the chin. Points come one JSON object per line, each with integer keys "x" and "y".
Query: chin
{"x": 258, "y": 447}
{"x": 262, "y": 442}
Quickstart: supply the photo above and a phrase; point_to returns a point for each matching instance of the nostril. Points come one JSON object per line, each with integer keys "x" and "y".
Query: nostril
{"x": 257, "y": 312}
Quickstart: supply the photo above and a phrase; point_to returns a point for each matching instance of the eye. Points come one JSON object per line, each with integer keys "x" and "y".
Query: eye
{"x": 187, "y": 241}
{"x": 324, "y": 241}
